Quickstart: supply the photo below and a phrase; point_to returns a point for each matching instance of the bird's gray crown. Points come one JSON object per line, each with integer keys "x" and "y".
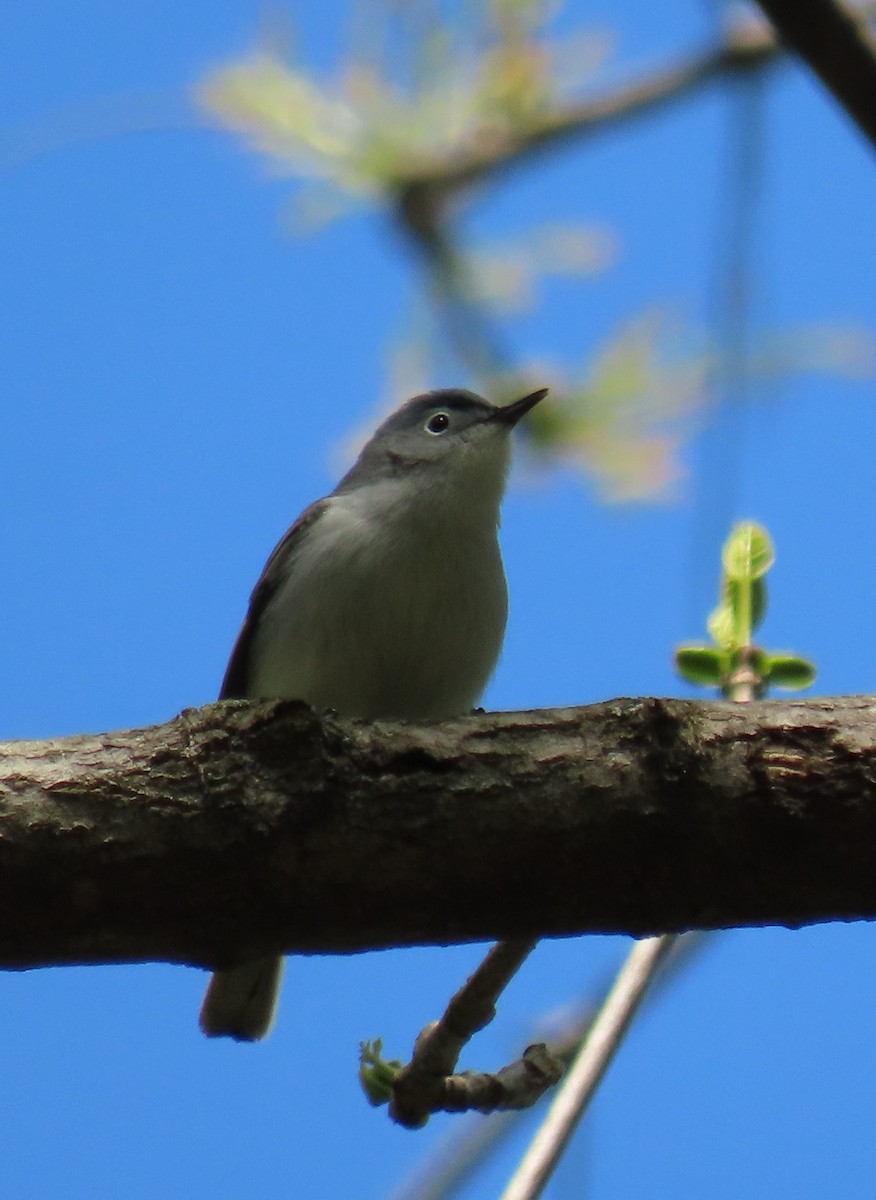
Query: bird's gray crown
{"x": 468, "y": 407}
{"x": 422, "y": 432}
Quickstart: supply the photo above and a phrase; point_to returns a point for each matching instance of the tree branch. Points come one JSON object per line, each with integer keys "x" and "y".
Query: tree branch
{"x": 428, "y": 1083}
{"x": 836, "y": 42}
{"x": 745, "y": 48}
{"x": 238, "y": 829}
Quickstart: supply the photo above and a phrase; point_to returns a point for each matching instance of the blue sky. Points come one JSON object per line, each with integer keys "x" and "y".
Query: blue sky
{"x": 177, "y": 375}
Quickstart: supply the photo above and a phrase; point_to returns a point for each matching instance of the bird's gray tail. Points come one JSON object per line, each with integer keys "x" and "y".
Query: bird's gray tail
{"x": 241, "y": 1002}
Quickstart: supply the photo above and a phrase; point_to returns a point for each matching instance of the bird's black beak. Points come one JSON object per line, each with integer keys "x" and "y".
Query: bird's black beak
{"x": 511, "y": 413}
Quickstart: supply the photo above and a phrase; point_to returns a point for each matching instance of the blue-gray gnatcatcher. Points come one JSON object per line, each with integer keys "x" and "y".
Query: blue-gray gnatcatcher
{"x": 386, "y": 598}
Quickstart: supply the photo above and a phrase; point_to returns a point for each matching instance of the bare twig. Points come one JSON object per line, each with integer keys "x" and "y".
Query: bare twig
{"x": 467, "y": 1145}
{"x": 584, "y": 1076}
{"x": 465, "y": 321}
{"x": 428, "y": 1083}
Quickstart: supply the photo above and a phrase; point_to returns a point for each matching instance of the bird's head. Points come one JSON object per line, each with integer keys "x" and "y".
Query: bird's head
{"x": 449, "y": 441}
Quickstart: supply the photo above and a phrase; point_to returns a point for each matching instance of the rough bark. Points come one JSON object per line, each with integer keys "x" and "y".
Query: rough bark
{"x": 239, "y": 829}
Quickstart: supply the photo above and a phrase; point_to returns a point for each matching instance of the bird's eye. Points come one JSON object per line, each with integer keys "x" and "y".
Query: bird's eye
{"x": 437, "y": 423}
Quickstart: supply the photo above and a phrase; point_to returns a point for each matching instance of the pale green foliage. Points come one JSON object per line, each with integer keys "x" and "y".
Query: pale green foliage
{"x": 834, "y": 349}
{"x": 485, "y": 74}
{"x": 428, "y": 86}
{"x": 623, "y": 416}
{"x": 506, "y": 275}
{"x": 788, "y": 671}
{"x": 746, "y": 558}
{"x": 376, "y": 1073}
{"x": 748, "y": 553}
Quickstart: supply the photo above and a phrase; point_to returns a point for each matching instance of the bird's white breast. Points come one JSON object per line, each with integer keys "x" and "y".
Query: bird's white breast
{"x": 387, "y": 612}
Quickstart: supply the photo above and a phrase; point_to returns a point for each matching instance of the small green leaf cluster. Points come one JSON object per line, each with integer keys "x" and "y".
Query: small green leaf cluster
{"x": 733, "y": 656}
{"x": 377, "y": 1074}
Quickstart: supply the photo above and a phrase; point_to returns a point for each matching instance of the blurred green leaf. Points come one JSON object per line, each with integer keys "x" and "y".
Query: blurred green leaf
{"x": 622, "y": 418}
{"x": 746, "y": 604}
{"x": 748, "y": 553}
{"x": 377, "y": 1074}
{"x": 746, "y": 557}
{"x": 721, "y": 625}
{"x": 758, "y": 602}
{"x": 834, "y": 349}
{"x": 702, "y": 665}
{"x": 789, "y": 671}
{"x": 506, "y": 274}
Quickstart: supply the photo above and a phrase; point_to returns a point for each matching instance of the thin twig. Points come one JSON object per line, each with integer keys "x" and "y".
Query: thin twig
{"x": 427, "y": 1084}
{"x": 745, "y": 48}
{"x": 465, "y": 321}
{"x": 603, "y": 1041}
{"x": 458, "y": 1155}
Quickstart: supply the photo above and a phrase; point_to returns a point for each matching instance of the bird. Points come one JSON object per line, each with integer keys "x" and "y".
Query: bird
{"x": 385, "y": 599}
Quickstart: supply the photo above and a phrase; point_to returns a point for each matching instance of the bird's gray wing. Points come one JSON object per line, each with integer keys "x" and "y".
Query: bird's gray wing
{"x": 235, "y": 685}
